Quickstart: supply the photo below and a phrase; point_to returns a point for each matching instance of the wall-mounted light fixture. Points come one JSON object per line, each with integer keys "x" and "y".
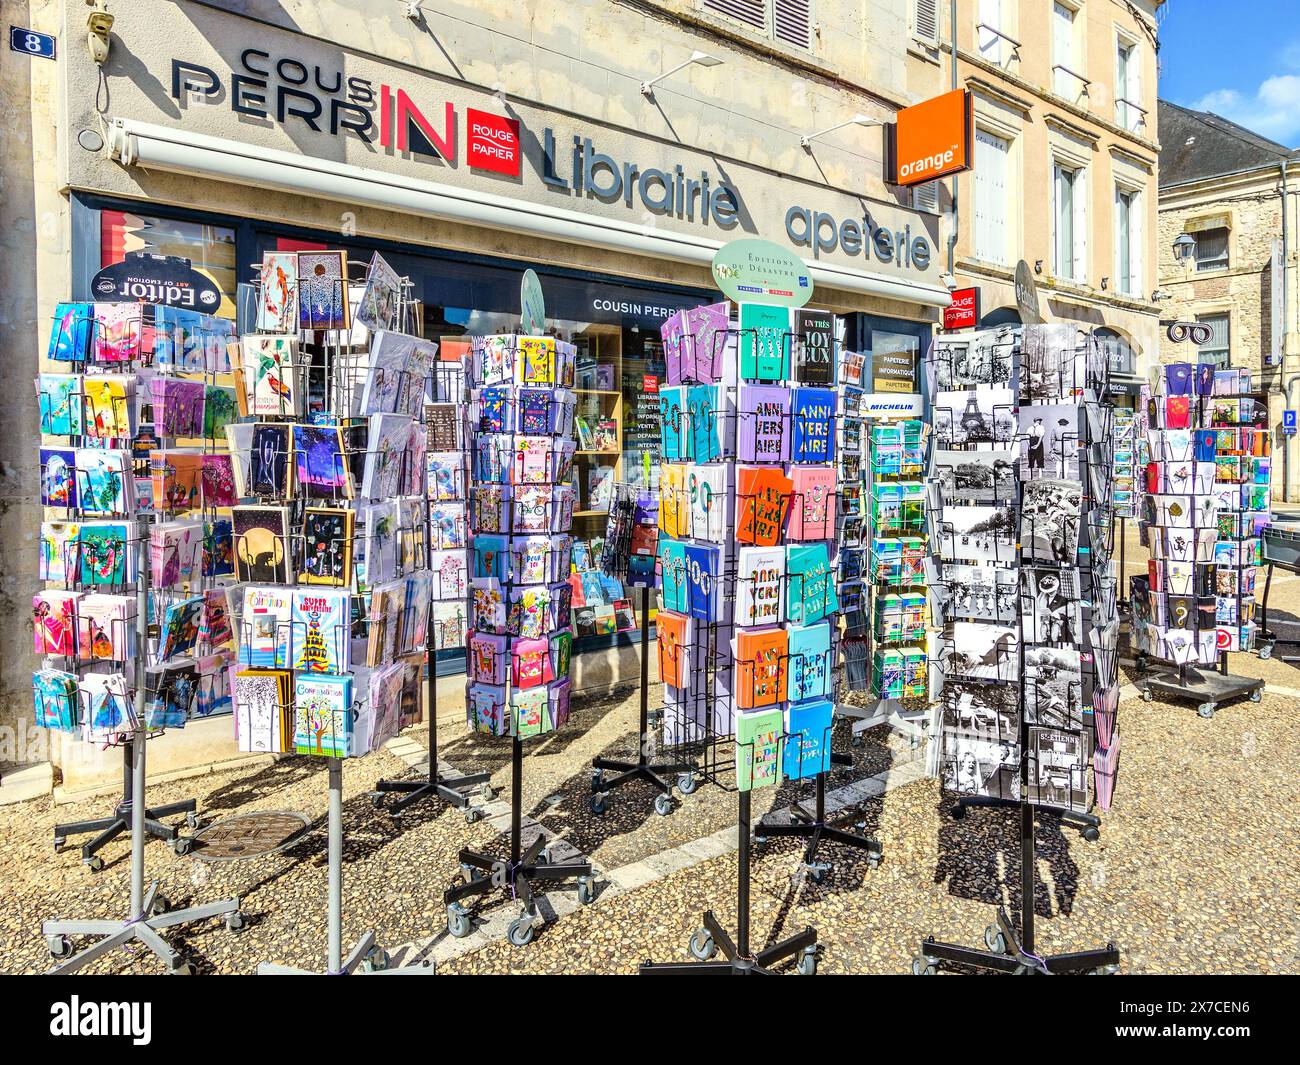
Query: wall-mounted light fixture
{"x": 856, "y": 120}
{"x": 1105, "y": 283}
{"x": 98, "y": 25}
{"x": 1184, "y": 247}
{"x": 702, "y": 59}
{"x": 1038, "y": 266}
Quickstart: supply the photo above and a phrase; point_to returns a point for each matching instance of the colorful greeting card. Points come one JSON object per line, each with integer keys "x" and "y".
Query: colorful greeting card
{"x": 262, "y": 551}
{"x": 808, "y": 739}
{"x": 322, "y": 708}
{"x": 810, "y": 593}
{"x": 763, "y": 423}
{"x": 813, "y": 417}
{"x": 764, "y": 342}
{"x": 60, "y": 399}
{"x": 763, "y": 495}
{"x": 759, "y": 735}
{"x": 760, "y": 583}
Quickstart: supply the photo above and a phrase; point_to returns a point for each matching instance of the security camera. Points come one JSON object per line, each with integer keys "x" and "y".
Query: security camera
{"x": 949, "y": 282}
{"x": 1159, "y": 296}
{"x": 98, "y": 24}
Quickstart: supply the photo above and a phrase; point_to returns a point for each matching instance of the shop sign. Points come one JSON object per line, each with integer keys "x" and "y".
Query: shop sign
{"x": 532, "y": 306}
{"x": 893, "y": 371}
{"x": 758, "y": 271}
{"x": 930, "y": 140}
{"x": 492, "y": 142}
{"x": 146, "y": 278}
{"x": 965, "y": 310}
{"x": 1027, "y": 295}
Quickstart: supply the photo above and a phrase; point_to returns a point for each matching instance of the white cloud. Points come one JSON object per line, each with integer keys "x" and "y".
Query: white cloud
{"x": 1272, "y": 111}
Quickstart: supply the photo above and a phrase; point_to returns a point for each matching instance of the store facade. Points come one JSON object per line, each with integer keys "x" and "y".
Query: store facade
{"x": 218, "y": 136}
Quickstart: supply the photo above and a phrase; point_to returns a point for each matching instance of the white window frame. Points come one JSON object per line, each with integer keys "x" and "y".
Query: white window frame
{"x": 1212, "y": 266}
{"x": 1077, "y": 256}
{"x": 1129, "y": 112}
{"x": 1225, "y": 351}
{"x": 995, "y": 33}
{"x": 1132, "y": 282}
{"x": 1070, "y": 73}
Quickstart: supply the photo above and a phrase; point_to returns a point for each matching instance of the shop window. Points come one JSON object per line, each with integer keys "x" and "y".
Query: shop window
{"x": 209, "y": 248}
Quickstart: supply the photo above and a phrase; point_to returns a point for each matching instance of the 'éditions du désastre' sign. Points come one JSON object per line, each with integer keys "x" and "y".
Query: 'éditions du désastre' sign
{"x": 758, "y": 271}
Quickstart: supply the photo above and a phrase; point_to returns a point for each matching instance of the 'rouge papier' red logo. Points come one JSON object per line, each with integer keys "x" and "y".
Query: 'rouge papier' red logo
{"x": 492, "y": 143}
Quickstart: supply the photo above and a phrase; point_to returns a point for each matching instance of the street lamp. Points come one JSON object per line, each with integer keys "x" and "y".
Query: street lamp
{"x": 1184, "y": 248}
{"x": 699, "y": 58}
{"x": 856, "y": 120}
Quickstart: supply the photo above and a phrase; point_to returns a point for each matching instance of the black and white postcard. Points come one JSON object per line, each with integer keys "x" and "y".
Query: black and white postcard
{"x": 1049, "y": 520}
{"x": 1054, "y": 361}
{"x": 975, "y": 476}
{"x": 976, "y": 533}
{"x": 982, "y": 650}
{"x": 988, "y": 710}
{"x": 980, "y": 593}
{"x": 1051, "y": 603}
{"x": 1049, "y": 441}
{"x": 983, "y": 415}
{"x": 1054, "y": 686}
{"x": 1058, "y": 769}
{"x": 983, "y": 358}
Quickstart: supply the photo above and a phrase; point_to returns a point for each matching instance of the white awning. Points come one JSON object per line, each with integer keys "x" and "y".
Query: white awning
{"x": 154, "y": 147}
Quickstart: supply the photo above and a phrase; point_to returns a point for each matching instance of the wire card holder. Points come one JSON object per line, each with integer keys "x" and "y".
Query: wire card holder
{"x": 1024, "y": 590}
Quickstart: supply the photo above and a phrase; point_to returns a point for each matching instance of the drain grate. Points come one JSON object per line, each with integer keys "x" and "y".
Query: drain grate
{"x": 245, "y": 836}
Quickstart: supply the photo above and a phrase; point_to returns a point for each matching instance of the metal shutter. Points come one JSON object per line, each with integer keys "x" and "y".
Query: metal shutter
{"x": 753, "y": 12}
{"x": 925, "y": 15}
{"x": 792, "y": 21}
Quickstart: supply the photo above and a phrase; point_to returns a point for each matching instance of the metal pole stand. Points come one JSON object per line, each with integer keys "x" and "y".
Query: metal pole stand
{"x": 109, "y": 828}
{"x": 1005, "y": 950}
{"x": 1089, "y": 825}
{"x": 642, "y": 768}
{"x": 481, "y": 873}
{"x": 449, "y": 789}
{"x": 813, "y": 828}
{"x": 739, "y": 959}
{"x": 367, "y": 956}
{"x": 148, "y": 908}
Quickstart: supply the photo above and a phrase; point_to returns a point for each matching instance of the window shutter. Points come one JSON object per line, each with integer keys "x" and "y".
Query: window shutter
{"x": 990, "y": 44}
{"x": 1136, "y": 282}
{"x": 1081, "y": 226}
{"x": 925, "y": 17}
{"x": 991, "y": 158}
{"x": 792, "y": 21}
{"x": 925, "y": 197}
{"x": 753, "y": 12}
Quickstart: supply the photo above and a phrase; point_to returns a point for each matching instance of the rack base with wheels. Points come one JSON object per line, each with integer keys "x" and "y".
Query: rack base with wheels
{"x": 643, "y": 768}
{"x": 737, "y": 957}
{"x": 1207, "y": 690}
{"x": 515, "y": 875}
{"x": 813, "y": 828}
{"x": 107, "y": 829}
{"x": 1089, "y": 825}
{"x": 149, "y": 909}
{"x": 367, "y": 956}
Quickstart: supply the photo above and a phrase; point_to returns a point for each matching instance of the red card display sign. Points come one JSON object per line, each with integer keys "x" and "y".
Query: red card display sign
{"x": 493, "y": 142}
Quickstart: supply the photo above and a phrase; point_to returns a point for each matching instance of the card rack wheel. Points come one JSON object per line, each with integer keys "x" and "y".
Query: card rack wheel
{"x": 472, "y": 815}
{"x": 1265, "y": 652}
{"x": 377, "y": 799}
{"x": 487, "y": 792}
{"x": 586, "y": 890}
{"x": 185, "y": 968}
{"x": 192, "y": 821}
{"x": 598, "y": 780}
{"x": 161, "y": 904}
{"x": 59, "y": 843}
{"x": 1148, "y": 695}
{"x": 818, "y": 871}
{"x": 458, "y": 922}
{"x": 1091, "y": 833}
{"x": 182, "y": 845}
{"x": 924, "y": 966}
{"x": 995, "y": 940}
{"x": 958, "y": 811}
{"x": 873, "y": 860}
{"x": 702, "y": 946}
{"x": 469, "y": 872}
{"x": 598, "y": 803}
{"x": 663, "y": 804}
{"x": 687, "y": 783}
{"x": 807, "y": 964}
{"x": 1256, "y": 695}
{"x": 376, "y": 961}
{"x": 1206, "y": 709}
{"x": 521, "y": 931}
{"x": 94, "y": 863}
{"x": 59, "y": 946}
{"x": 236, "y": 922}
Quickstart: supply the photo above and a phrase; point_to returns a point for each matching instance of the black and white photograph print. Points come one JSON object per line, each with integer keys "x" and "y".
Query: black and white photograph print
{"x": 981, "y": 649}
{"x": 1049, "y": 441}
{"x": 980, "y": 593}
{"x": 976, "y": 476}
{"x": 1051, "y": 605}
{"x": 1049, "y": 520}
{"x": 979, "y": 708}
{"x": 983, "y": 415}
{"x": 976, "y": 533}
{"x": 1054, "y": 687}
{"x": 1058, "y": 769}
{"x": 973, "y": 765}
{"x": 1054, "y": 359}
{"x": 983, "y": 358}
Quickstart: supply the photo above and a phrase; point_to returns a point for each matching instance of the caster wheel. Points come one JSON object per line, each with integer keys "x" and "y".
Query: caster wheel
{"x": 686, "y": 783}
{"x": 59, "y": 946}
{"x": 544, "y": 856}
{"x": 818, "y": 873}
{"x": 185, "y": 968}
{"x": 182, "y": 845}
{"x": 597, "y": 780}
{"x": 376, "y": 961}
{"x": 857, "y": 741}
{"x": 471, "y": 815}
{"x": 994, "y": 940}
{"x": 923, "y": 966}
{"x": 59, "y": 843}
{"x": 1265, "y": 653}
{"x": 469, "y": 873}
{"x": 598, "y": 806}
{"x": 958, "y": 812}
{"x": 808, "y": 962}
{"x": 1256, "y": 695}
{"x": 760, "y": 839}
{"x": 488, "y": 792}
{"x": 1206, "y": 709}
{"x": 520, "y": 932}
{"x": 586, "y": 891}
{"x": 702, "y": 946}
{"x": 236, "y": 922}
{"x": 192, "y": 821}
{"x": 1091, "y": 833}
{"x": 458, "y": 923}
{"x": 377, "y": 800}
{"x": 663, "y": 805}
{"x": 94, "y": 863}
{"x": 161, "y": 904}
{"x": 873, "y": 860}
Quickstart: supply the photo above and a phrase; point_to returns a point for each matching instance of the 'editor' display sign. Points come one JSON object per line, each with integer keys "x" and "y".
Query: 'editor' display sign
{"x": 146, "y": 278}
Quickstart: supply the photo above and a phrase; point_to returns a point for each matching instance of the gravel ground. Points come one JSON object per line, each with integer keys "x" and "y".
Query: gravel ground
{"x": 1175, "y": 880}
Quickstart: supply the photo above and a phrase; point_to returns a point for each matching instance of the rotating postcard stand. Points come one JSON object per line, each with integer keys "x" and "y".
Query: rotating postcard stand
{"x": 632, "y": 510}
{"x": 149, "y": 914}
{"x": 519, "y": 646}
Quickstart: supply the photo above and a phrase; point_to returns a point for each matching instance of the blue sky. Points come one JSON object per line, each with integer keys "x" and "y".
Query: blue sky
{"x": 1239, "y": 59}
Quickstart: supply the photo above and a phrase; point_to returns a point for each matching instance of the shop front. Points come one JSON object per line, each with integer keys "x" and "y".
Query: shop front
{"x": 221, "y": 138}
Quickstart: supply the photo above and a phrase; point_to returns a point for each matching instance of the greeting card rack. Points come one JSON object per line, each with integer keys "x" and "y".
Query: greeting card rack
{"x": 1024, "y": 716}
{"x": 519, "y": 647}
{"x": 631, "y": 535}
{"x": 1206, "y": 498}
{"x": 447, "y": 387}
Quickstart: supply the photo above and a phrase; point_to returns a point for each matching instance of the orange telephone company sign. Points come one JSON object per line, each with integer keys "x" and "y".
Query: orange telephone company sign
{"x": 931, "y": 139}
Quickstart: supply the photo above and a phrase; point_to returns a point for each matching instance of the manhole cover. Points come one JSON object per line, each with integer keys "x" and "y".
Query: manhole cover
{"x": 248, "y": 835}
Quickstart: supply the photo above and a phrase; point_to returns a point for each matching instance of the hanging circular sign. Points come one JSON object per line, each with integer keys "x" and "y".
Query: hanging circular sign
{"x": 532, "y": 307}
{"x": 758, "y": 271}
{"x": 1027, "y": 295}
{"x": 146, "y": 278}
